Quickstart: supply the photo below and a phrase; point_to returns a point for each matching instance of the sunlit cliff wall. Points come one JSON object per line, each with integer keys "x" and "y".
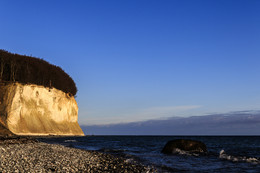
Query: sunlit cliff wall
{"x": 37, "y": 110}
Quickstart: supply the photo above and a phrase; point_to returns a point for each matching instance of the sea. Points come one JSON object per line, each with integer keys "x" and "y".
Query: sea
{"x": 225, "y": 153}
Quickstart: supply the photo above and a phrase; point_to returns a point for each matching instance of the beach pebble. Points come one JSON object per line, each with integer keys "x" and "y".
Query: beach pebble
{"x": 42, "y": 157}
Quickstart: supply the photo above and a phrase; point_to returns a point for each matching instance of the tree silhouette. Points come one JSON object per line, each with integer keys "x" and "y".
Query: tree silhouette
{"x": 31, "y": 70}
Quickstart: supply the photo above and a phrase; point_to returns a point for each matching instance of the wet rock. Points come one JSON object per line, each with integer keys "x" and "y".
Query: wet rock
{"x": 185, "y": 145}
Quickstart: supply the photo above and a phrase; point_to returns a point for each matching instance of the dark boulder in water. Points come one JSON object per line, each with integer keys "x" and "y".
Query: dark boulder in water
{"x": 185, "y": 145}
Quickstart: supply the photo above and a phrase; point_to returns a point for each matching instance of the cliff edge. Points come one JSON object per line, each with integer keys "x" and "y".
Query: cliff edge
{"x": 28, "y": 109}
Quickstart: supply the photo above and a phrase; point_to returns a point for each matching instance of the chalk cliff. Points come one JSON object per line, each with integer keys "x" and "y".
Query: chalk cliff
{"x": 37, "y": 110}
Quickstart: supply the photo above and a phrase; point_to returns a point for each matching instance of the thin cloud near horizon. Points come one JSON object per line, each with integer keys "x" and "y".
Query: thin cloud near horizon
{"x": 162, "y": 112}
{"x": 209, "y": 115}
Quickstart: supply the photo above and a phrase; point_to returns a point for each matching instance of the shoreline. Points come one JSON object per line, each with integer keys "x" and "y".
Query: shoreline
{"x": 29, "y": 155}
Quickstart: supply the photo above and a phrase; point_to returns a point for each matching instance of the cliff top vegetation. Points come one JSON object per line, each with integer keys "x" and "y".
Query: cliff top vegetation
{"x": 31, "y": 70}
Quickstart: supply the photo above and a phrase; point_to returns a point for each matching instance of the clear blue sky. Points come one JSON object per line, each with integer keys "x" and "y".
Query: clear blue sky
{"x": 136, "y": 60}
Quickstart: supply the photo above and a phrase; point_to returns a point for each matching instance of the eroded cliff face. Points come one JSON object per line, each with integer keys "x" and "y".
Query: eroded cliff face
{"x": 37, "y": 110}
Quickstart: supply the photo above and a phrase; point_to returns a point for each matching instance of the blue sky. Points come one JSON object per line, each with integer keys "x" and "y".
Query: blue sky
{"x": 137, "y": 60}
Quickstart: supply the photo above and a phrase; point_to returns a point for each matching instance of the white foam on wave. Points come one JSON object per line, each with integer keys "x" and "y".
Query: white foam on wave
{"x": 253, "y": 160}
{"x": 182, "y": 152}
{"x": 129, "y": 160}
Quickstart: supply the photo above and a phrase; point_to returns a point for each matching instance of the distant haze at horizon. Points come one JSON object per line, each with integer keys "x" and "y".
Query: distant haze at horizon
{"x": 135, "y": 61}
{"x": 233, "y": 123}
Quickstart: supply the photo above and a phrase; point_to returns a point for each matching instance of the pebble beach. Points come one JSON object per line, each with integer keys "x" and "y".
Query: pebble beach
{"x": 29, "y": 155}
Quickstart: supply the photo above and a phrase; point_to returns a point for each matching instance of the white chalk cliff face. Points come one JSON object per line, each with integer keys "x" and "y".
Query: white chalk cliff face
{"x": 37, "y": 110}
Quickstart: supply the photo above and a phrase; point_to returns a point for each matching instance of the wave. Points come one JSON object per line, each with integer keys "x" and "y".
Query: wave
{"x": 182, "y": 152}
{"x": 109, "y": 150}
{"x": 253, "y": 160}
{"x": 71, "y": 140}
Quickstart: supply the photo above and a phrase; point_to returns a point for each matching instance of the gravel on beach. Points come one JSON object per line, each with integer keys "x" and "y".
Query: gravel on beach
{"x": 28, "y": 155}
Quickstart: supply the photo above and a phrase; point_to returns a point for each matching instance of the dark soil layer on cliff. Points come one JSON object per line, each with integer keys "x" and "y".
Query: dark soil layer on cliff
{"x": 29, "y": 155}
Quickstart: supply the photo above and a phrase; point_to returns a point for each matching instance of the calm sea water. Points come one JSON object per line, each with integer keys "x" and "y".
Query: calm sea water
{"x": 225, "y": 153}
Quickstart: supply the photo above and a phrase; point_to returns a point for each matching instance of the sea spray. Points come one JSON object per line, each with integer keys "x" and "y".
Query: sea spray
{"x": 223, "y": 155}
